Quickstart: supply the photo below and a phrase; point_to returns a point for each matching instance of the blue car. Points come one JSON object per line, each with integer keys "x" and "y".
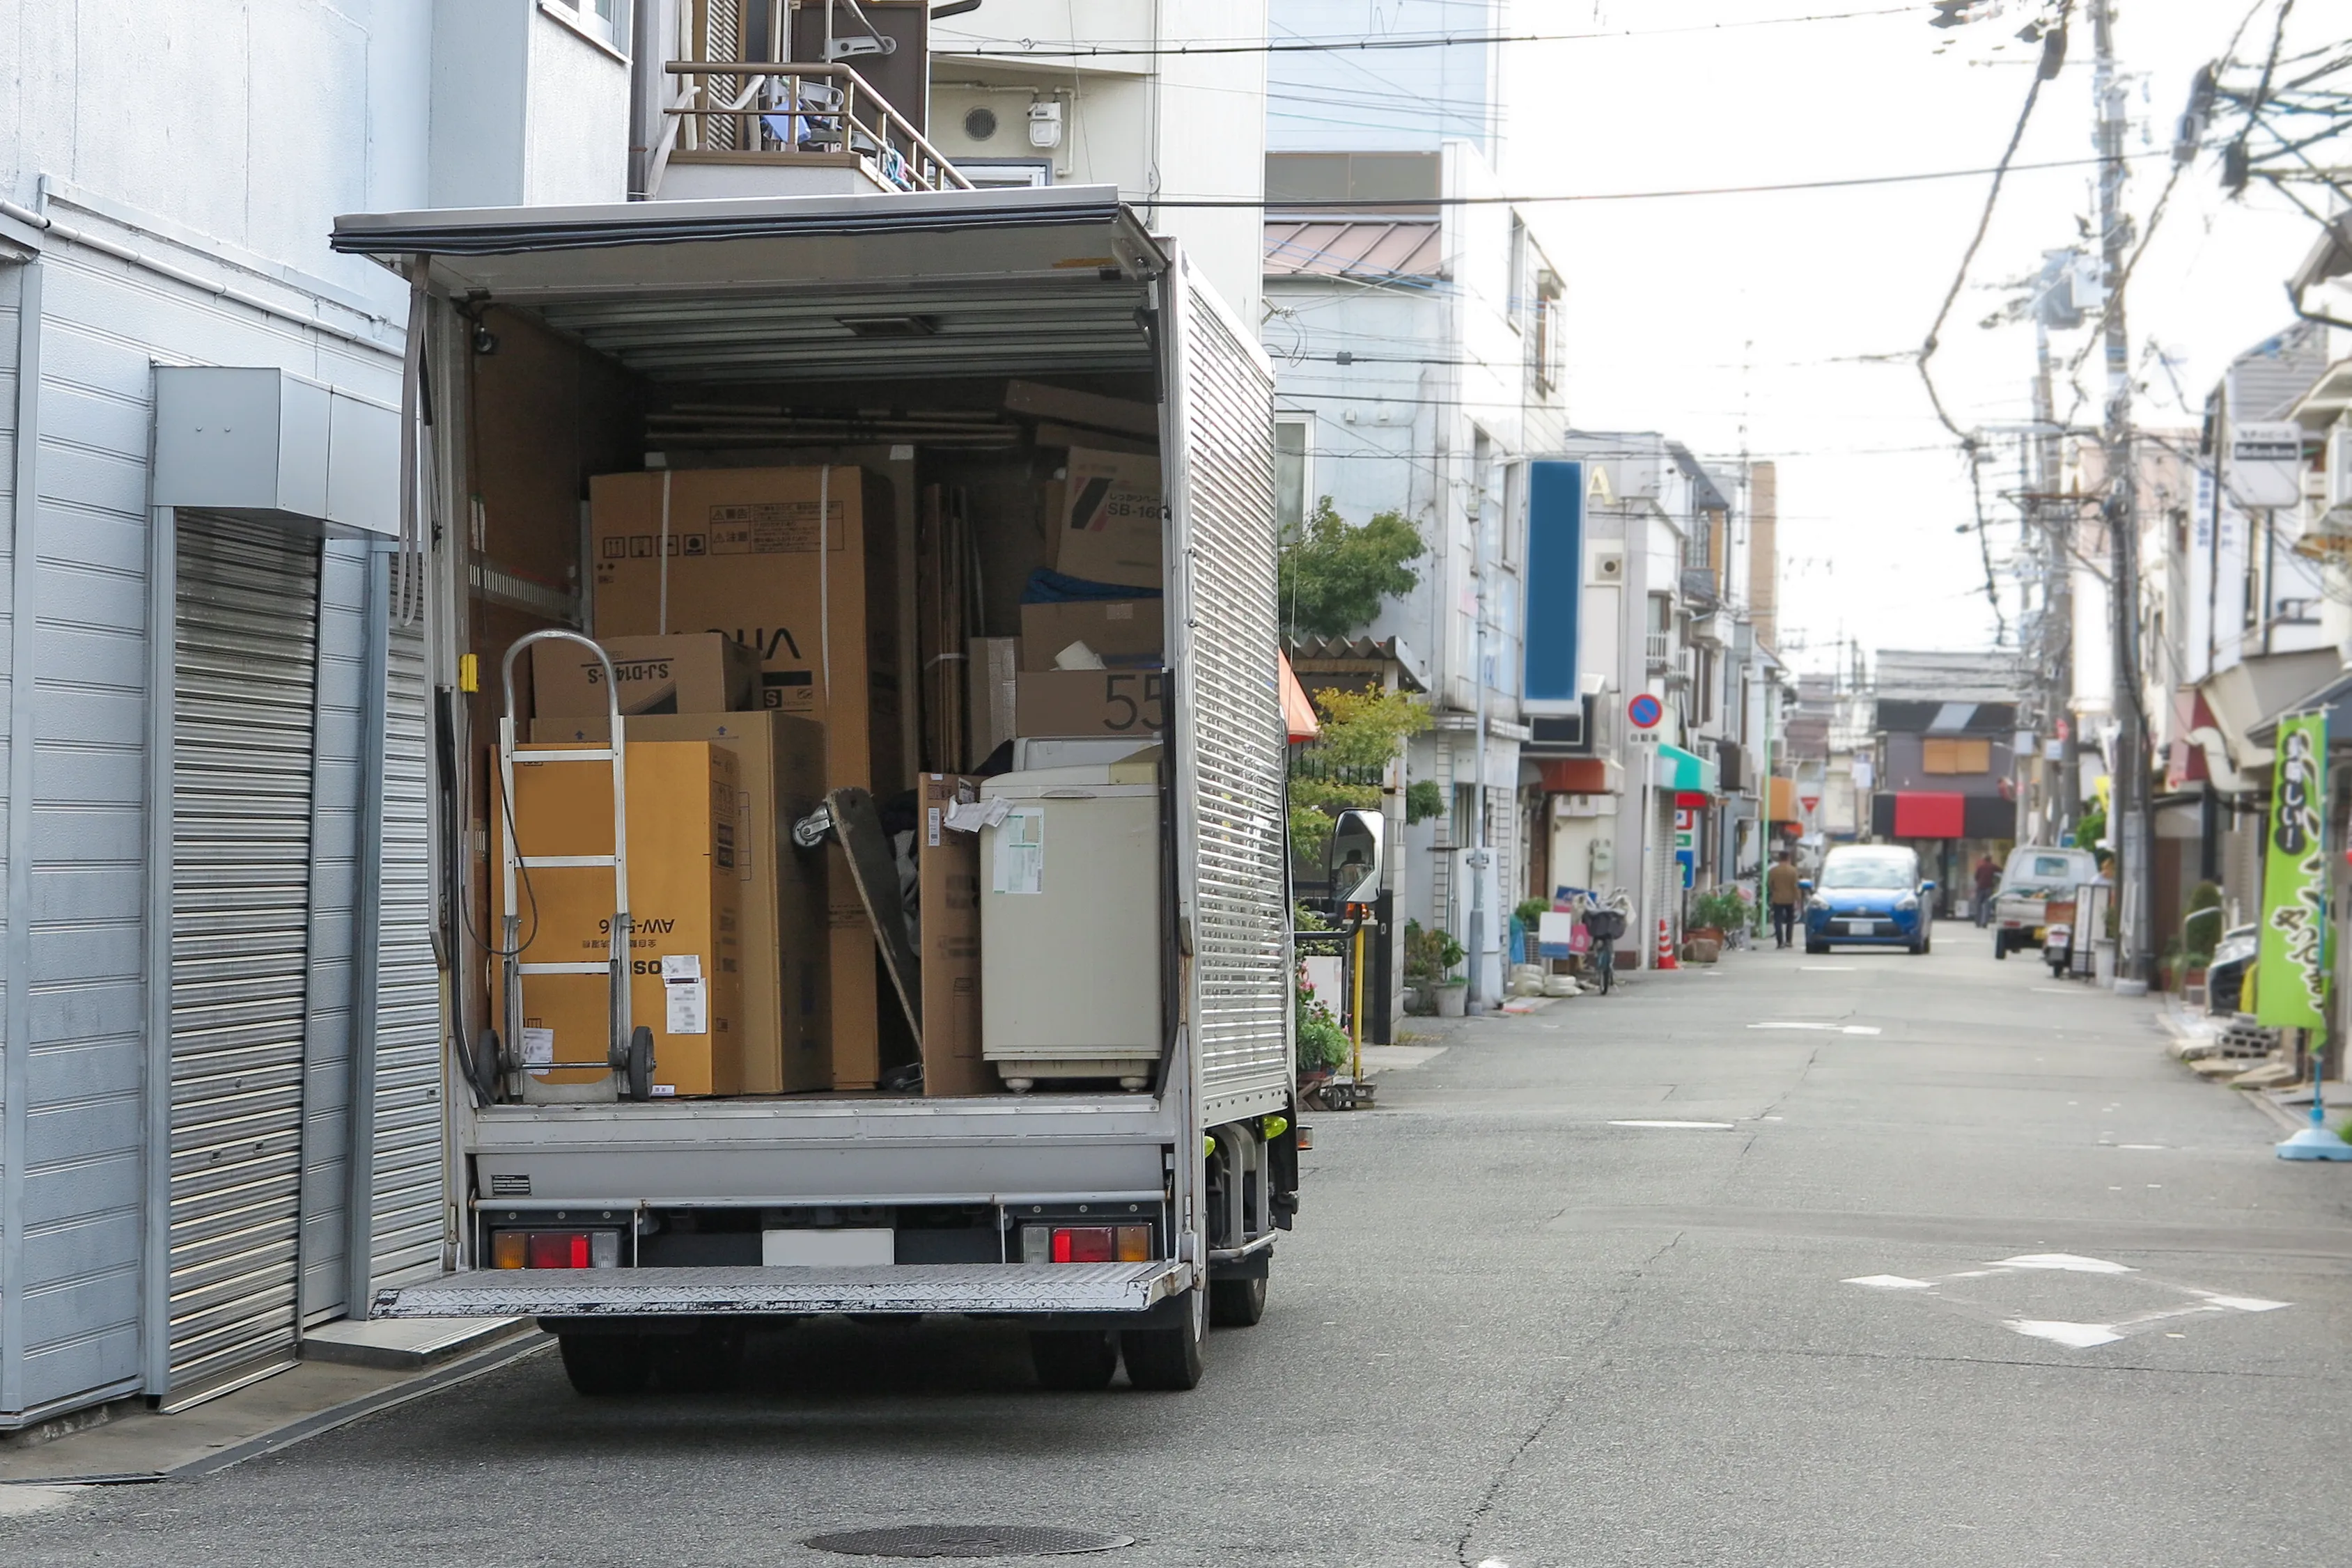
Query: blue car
{"x": 1869, "y": 896}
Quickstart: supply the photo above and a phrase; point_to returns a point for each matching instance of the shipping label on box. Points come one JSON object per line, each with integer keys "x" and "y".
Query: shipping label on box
{"x": 1108, "y": 529}
{"x": 698, "y": 673}
{"x": 1091, "y": 702}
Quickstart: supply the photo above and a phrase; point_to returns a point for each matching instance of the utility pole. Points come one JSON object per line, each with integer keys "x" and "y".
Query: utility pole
{"x": 2057, "y": 533}
{"x": 2135, "y": 881}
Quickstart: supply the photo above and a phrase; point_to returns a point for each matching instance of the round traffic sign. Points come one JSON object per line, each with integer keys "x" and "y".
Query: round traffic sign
{"x": 1645, "y": 712}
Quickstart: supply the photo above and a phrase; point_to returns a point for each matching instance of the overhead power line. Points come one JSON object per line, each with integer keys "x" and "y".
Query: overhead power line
{"x": 1307, "y": 211}
{"x": 1072, "y": 49}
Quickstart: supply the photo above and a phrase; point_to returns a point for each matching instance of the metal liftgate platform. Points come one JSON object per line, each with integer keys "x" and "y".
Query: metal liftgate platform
{"x": 1010, "y": 1288}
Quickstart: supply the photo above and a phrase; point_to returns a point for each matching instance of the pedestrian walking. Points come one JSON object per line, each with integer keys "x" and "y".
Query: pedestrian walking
{"x": 1987, "y": 879}
{"x": 1781, "y": 892}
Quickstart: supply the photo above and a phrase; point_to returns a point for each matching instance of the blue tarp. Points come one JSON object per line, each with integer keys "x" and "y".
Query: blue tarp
{"x": 1047, "y": 586}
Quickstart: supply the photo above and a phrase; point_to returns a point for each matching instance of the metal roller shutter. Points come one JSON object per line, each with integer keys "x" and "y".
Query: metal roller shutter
{"x": 405, "y": 1219}
{"x": 245, "y": 669}
{"x": 1224, "y": 554}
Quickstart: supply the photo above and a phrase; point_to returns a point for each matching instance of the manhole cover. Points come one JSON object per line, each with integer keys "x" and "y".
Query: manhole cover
{"x": 967, "y": 1540}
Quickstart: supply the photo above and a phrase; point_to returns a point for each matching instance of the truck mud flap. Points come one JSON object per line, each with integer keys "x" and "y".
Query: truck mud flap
{"x": 1012, "y": 1289}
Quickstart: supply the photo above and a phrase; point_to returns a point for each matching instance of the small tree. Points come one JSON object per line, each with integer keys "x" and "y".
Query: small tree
{"x": 1334, "y": 575}
{"x": 1362, "y": 731}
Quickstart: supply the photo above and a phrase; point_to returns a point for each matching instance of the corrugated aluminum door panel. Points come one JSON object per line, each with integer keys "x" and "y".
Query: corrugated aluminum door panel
{"x": 245, "y": 667}
{"x": 405, "y": 1224}
{"x": 337, "y": 775}
{"x": 1230, "y": 755}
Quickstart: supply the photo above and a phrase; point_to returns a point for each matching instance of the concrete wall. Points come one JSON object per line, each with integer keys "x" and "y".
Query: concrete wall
{"x": 524, "y": 109}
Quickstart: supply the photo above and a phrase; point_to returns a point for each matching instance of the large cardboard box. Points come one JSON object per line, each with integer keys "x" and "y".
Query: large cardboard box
{"x": 1127, "y": 634}
{"x": 1107, "y": 519}
{"x": 1091, "y": 702}
{"x": 698, "y": 672}
{"x": 685, "y": 954}
{"x": 946, "y": 868}
{"x": 741, "y": 546}
{"x": 786, "y": 947}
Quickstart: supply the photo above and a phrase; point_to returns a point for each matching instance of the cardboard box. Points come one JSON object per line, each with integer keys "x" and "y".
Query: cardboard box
{"x": 1127, "y": 634}
{"x": 1091, "y": 702}
{"x": 744, "y": 560}
{"x": 947, "y": 867}
{"x": 1107, "y": 519}
{"x": 787, "y": 948}
{"x": 698, "y": 672}
{"x": 994, "y": 673}
{"x": 685, "y": 901}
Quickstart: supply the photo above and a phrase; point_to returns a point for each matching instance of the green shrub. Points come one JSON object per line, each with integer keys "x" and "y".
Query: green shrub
{"x": 1723, "y": 908}
{"x": 1422, "y": 800}
{"x": 1529, "y": 913}
{"x": 1430, "y": 955}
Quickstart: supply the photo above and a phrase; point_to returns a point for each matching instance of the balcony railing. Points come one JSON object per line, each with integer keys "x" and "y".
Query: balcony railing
{"x": 1660, "y": 649}
{"x": 786, "y": 115}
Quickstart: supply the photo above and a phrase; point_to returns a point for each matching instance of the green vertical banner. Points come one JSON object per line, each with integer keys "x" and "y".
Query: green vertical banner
{"x": 2291, "y": 987}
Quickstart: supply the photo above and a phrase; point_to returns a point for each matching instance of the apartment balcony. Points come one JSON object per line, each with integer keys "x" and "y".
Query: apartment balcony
{"x": 758, "y": 127}
{"x": 1659, "y": 651}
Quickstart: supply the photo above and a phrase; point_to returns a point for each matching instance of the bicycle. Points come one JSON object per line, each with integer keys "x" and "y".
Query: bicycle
{"x": 1604, "y": 921}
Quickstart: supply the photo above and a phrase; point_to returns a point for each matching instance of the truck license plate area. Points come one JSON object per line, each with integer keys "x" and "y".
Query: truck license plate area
{"x": 843, "y": 1248}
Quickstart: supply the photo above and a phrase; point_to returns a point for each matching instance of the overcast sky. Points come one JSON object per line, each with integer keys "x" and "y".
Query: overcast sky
{"x": 1746, "y": 319}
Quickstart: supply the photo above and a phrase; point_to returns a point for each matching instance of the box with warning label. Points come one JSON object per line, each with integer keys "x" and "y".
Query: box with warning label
{"x": 698, "y": 673}
{"x": 684, "y": 946}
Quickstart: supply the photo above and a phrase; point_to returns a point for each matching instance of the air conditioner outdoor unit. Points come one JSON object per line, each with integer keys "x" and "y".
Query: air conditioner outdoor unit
{"x": 1605, "y": 568}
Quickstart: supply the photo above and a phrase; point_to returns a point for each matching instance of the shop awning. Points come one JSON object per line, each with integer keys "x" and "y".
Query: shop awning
{"x": 1298, "y": 713}
{"x": 1686, "y": 772}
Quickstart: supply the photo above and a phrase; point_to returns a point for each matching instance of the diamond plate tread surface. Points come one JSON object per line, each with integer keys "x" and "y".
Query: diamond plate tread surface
{"x": 903, "y": 1288}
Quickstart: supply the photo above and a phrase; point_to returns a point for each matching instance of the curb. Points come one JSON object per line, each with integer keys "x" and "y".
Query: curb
{"x": 503, "y": 1354}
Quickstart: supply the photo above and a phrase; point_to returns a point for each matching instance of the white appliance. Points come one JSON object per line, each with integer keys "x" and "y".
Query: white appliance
{"x": 1070, "y": 924}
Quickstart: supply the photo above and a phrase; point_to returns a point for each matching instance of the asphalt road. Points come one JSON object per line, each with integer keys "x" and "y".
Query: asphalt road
{"x": 1512, "y": 1331}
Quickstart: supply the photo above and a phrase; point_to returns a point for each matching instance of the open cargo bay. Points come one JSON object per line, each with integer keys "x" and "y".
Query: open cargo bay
{"x": 966, "y": 357}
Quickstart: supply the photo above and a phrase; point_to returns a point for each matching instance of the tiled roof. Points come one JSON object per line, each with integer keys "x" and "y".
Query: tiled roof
{"x": 1371, "y": 251}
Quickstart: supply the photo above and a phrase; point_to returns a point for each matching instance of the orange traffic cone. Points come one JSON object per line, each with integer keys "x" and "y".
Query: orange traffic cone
{"x": 1666, "y": 945}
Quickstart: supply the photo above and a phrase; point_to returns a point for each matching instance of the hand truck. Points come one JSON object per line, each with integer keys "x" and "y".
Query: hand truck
{"x": 630, "y": 1049}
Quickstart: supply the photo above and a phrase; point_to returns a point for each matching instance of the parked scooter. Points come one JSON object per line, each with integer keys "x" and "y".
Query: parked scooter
{"x": 2058, "y": 948}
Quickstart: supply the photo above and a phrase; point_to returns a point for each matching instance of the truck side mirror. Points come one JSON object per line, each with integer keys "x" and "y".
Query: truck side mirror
{"x": 1928, "y": 885}
{"x": 1353, "y": 858}
{"x": 1804, "y": 884}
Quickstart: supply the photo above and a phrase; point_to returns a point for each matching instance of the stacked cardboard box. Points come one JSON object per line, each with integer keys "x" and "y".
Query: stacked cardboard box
{"x": 685, "y": 950}
{"x": 737, "y": 550}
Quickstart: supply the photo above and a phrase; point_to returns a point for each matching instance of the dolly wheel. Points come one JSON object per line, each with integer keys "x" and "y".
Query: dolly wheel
{"x": 641, "y": 1063}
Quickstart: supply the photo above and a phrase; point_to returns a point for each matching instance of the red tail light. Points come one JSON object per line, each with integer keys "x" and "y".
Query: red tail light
{"x": 558, "y": 1249}
{"x": 1083, "y": 1244}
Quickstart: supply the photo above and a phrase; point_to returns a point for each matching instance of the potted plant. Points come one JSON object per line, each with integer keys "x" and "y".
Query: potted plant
{"x": 1716, "y": 912}
{"x": 1430, "y": 960}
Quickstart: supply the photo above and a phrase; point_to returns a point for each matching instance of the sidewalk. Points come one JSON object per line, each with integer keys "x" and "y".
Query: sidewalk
{"x": 2267, "y": 1081}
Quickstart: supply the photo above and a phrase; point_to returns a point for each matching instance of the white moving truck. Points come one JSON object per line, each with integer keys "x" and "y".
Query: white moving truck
{"x": 953, "y": 346}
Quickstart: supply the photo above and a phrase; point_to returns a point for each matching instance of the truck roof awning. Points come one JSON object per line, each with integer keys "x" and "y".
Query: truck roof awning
{"x": 791, "y": 286}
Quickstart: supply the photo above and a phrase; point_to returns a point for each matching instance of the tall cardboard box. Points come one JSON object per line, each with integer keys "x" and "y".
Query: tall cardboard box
{"x": 947, "y": 867}
{"x": 1091, "y": 702}
{"x": 698, "y": 672}
{"x": 786, "y": 946}
{"x": 740, "y": 552}
{"x": 684, "y": 902}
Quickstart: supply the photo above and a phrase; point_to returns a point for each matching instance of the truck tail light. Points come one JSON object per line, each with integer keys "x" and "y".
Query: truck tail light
{"x": 1085, "y": 1244}
{"x": 507, "y": 1249}
{"x": 558, "y": 1249}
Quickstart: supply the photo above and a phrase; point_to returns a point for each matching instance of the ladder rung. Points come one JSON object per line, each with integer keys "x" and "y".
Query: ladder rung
{"x": 560, "y": 862}
{"x": 604, "y": 969}
{"x": 568, "y": 755}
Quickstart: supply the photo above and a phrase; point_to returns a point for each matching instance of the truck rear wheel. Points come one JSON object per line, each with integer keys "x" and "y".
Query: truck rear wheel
{"x": 1236, "y": 1303}
{"x": 1073, "y": 1360}
{"x": 602, "y": 1365}
{"x": 1167, "y": 1359}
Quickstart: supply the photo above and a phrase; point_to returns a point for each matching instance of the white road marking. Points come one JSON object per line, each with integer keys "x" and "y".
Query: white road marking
{"x": 2073, "y": 1336}
{"x": 1890, "y": 1282}
{"x": 1861, "y": 1029}
{"x": 2245, "y": 1304}
{"x": 2143, "y": 1146}
{"x": 2067, "y": 1262}
{"x": 1706, "y": 1126}
{"x": 1827, "y": 969}
{"x": 1824, "y": 1027}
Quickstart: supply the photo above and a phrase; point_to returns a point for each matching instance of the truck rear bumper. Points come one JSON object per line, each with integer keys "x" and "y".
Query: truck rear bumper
{"x": 1020, "y": 1289}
